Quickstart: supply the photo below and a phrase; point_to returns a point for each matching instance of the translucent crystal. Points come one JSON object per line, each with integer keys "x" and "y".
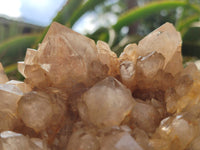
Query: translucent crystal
{"x": 83, "y": 140}
{"x": 14, "y": 141}
{"x": 174, "y": 130}
{"x": 40, "y": 143}
{"x": 127, "y": 72}
{"x": 128, "y": 60}
{"x": 10, "y": 95}
{"x": 36, "y": 76}
{"x": 108, "y": 57}
{"x": 141, "y": 138}
{"x": 160, "y": 107}
{"x": 30, "y": 57}
{"x": 150, "y": 64}
{"x": 35, "y": 109}
{"x": 195, "y": 144}
{"x": 119, "y": 141}
{"x": 130, "y": 53}
{"x": 145, "y": 117}
{"x": 167, "y": 41}
{"x": 108, "y": 106}
{"x": 190, "y": 83}
{"x": 8, "y": 120}
{"x": 21, "y": 67}
{"x": 61, "y": 62}
{"x": 25, "y": 88}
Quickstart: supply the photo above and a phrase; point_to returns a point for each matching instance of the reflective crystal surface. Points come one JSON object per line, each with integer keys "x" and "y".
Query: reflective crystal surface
{"x": 109, "y": 106}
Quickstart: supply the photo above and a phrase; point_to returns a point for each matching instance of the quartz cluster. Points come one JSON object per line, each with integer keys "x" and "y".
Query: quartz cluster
{"x": 78, "y": 95}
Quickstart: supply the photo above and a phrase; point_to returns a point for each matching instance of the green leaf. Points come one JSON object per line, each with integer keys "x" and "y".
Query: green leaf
{"x": 67, "y": 11}
{"x": 141, "y": 12}
{"x": 87, "y": 6}
{"x": 191, "y": 42}
{"x": 10, "y": 68}
{"x": 14, "y": 49}
{"x": 12, "y": 72}
{"x": 99, "y": 34}
{"x": 185, "y": 24}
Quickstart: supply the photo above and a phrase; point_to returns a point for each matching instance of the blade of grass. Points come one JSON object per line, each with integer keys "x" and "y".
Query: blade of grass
{"x": 14, "y": 49}
{"x": 10, "y": 68}
{"x": 141, "y": 12}
{"x": 67, "y": 11}
{"x": 87, "y": 6}
{"x": 183, "y": 25}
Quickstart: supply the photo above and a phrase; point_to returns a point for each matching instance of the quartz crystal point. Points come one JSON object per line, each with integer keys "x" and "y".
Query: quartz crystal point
{"x": 14, "y": 141}
{"x": 38, "y": 110}
{"x": 35, "y": 109}
{"x": 151, "y": 80}
{"x": 106, "y": 104}
{"x": 64, "y": 59}
{"x": 152, "y": 65}
{"x": 167, "y": 41}
{"x": 108, "y": 57}
{"x": 149, "y": 65}
{"x": 128, "y": 60}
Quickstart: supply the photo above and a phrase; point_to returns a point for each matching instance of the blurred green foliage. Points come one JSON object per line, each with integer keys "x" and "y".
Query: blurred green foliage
{"x": 133, "y": 19}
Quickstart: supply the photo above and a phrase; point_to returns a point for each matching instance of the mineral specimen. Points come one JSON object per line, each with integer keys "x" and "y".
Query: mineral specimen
{"x": 78, "y": 95}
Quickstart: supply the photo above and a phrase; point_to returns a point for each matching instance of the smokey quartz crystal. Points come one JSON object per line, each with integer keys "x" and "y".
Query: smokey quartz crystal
{"x": 78, "y": 95}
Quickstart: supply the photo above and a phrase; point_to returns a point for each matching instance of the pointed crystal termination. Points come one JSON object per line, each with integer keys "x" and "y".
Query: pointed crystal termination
{"x": 39, "y": 111}
{"x": 61, "y": 62}
{"x": 3, "y": 76}
{"x": 28, "y": 110}
{"x": 150, "y": 74}
{"x": 29, "y": 60}
{"x": 107, "y": 107}
{"x": 128, "y": 60}
{"x": 167, "y": 41}
{"x": 108, "y": 57}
